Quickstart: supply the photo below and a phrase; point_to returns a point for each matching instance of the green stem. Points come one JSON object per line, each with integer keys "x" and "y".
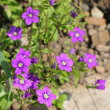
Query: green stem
{"x": 92, "y": 87}
{"x": 46, "y": 25}
{"x": 30, "y": 40}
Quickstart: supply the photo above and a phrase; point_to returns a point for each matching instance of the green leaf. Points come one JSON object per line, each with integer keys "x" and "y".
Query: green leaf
{"x": 5, "y": 65}
{"x": 3, "y": 103}
{"x": 13, "y": 9}
{"x": 2, "y": 91}
{"x": 59, "y": 102}
{"x": 55, "y": 36}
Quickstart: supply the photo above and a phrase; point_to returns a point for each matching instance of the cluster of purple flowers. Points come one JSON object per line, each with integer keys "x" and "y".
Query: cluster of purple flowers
{"x": 21, "y": 64}
{"x": 27, "y": 80}
{"x": 30, "y": 81}
{"x": 30, "y": 16}
{"x": 22, "y": 61}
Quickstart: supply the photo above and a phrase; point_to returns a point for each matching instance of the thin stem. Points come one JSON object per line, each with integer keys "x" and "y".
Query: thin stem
{"x": 92, "y": 87}
{"x": 46, "y": 25}
{"x": 39, "y": 45}
{"x": 29, "y": 44}
{"x": 30, "y": 40}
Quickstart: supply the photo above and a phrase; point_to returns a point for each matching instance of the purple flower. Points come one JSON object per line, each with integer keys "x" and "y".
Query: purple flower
{"x": 1, "y": 43}
{"x": 34, "y": 60}
{"x": 15, "y": 33}
{"x": 31, "y": 16}
{"x": 26, "y": 95}
{"x": 45, "y": 96}
{"x": 77, "y": 35}
{"x": 34, "y": 85}
{"x": 32, "y": 77}
{"x": 34, "y": 80}
{"x": 54, "y": 65}
{"x": 21, "y": 64}
{"x": 52, "y": 2}
{"x": 64, "y": 62}
{"x": 90, "y": 60}
{"x": 73, "y": 14}
{"x": 81, "y": 59}
{"x": 72, "y": 51}
{"x": 24, "y": 53}
{"x": 100, "y": 84}
{"x": 22, "y": 84}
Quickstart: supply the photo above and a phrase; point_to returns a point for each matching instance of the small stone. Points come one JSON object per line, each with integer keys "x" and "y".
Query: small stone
{"x": 86, "y": 13}
{"x": 24, "y": 41}
{"x": 105, "y": 54}
{"x": 92, "y": 31}
{"x": 89, "y": 26}
{"x": 100, "y": 38}
{"x": 52, "y": 108}
{"x": 85, "y": 7}
{"x": 91, "y": 51}
{"x": 69, "y": 105}
{"x": 95, "y": 21}
{"x": 100, "y": 69}
{"x": 45, "y": 57}
{"x": 55, "y": 47}
{"x": 95, "y": 12}
{"x": 52, "y": 57}
{"x": 25, "y": 106}
{"x": 107, "y": 64}
{"x": 16, "y": 106}
{"x": 33, "y": 107}
{"x": 108, "y": 26}
{"x": 102, "y": 27}
{"x": 103, "y": 48}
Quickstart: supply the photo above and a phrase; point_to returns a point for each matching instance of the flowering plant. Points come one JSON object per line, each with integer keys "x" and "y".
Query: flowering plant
{"x": 29, "y": 78}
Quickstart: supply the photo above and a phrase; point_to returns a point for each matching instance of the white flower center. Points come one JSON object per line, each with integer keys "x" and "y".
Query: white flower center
{"x": 15, "y": 33}
{"x": 21, "y": 81}
{"x": 30, "y": 15}
{"x": 20, "y": 64}
{"x": 46, "y": 96}
{"x": 90, "y": 60}
{"x": 77, "y": 35}
{"x": 63, "y": 63}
